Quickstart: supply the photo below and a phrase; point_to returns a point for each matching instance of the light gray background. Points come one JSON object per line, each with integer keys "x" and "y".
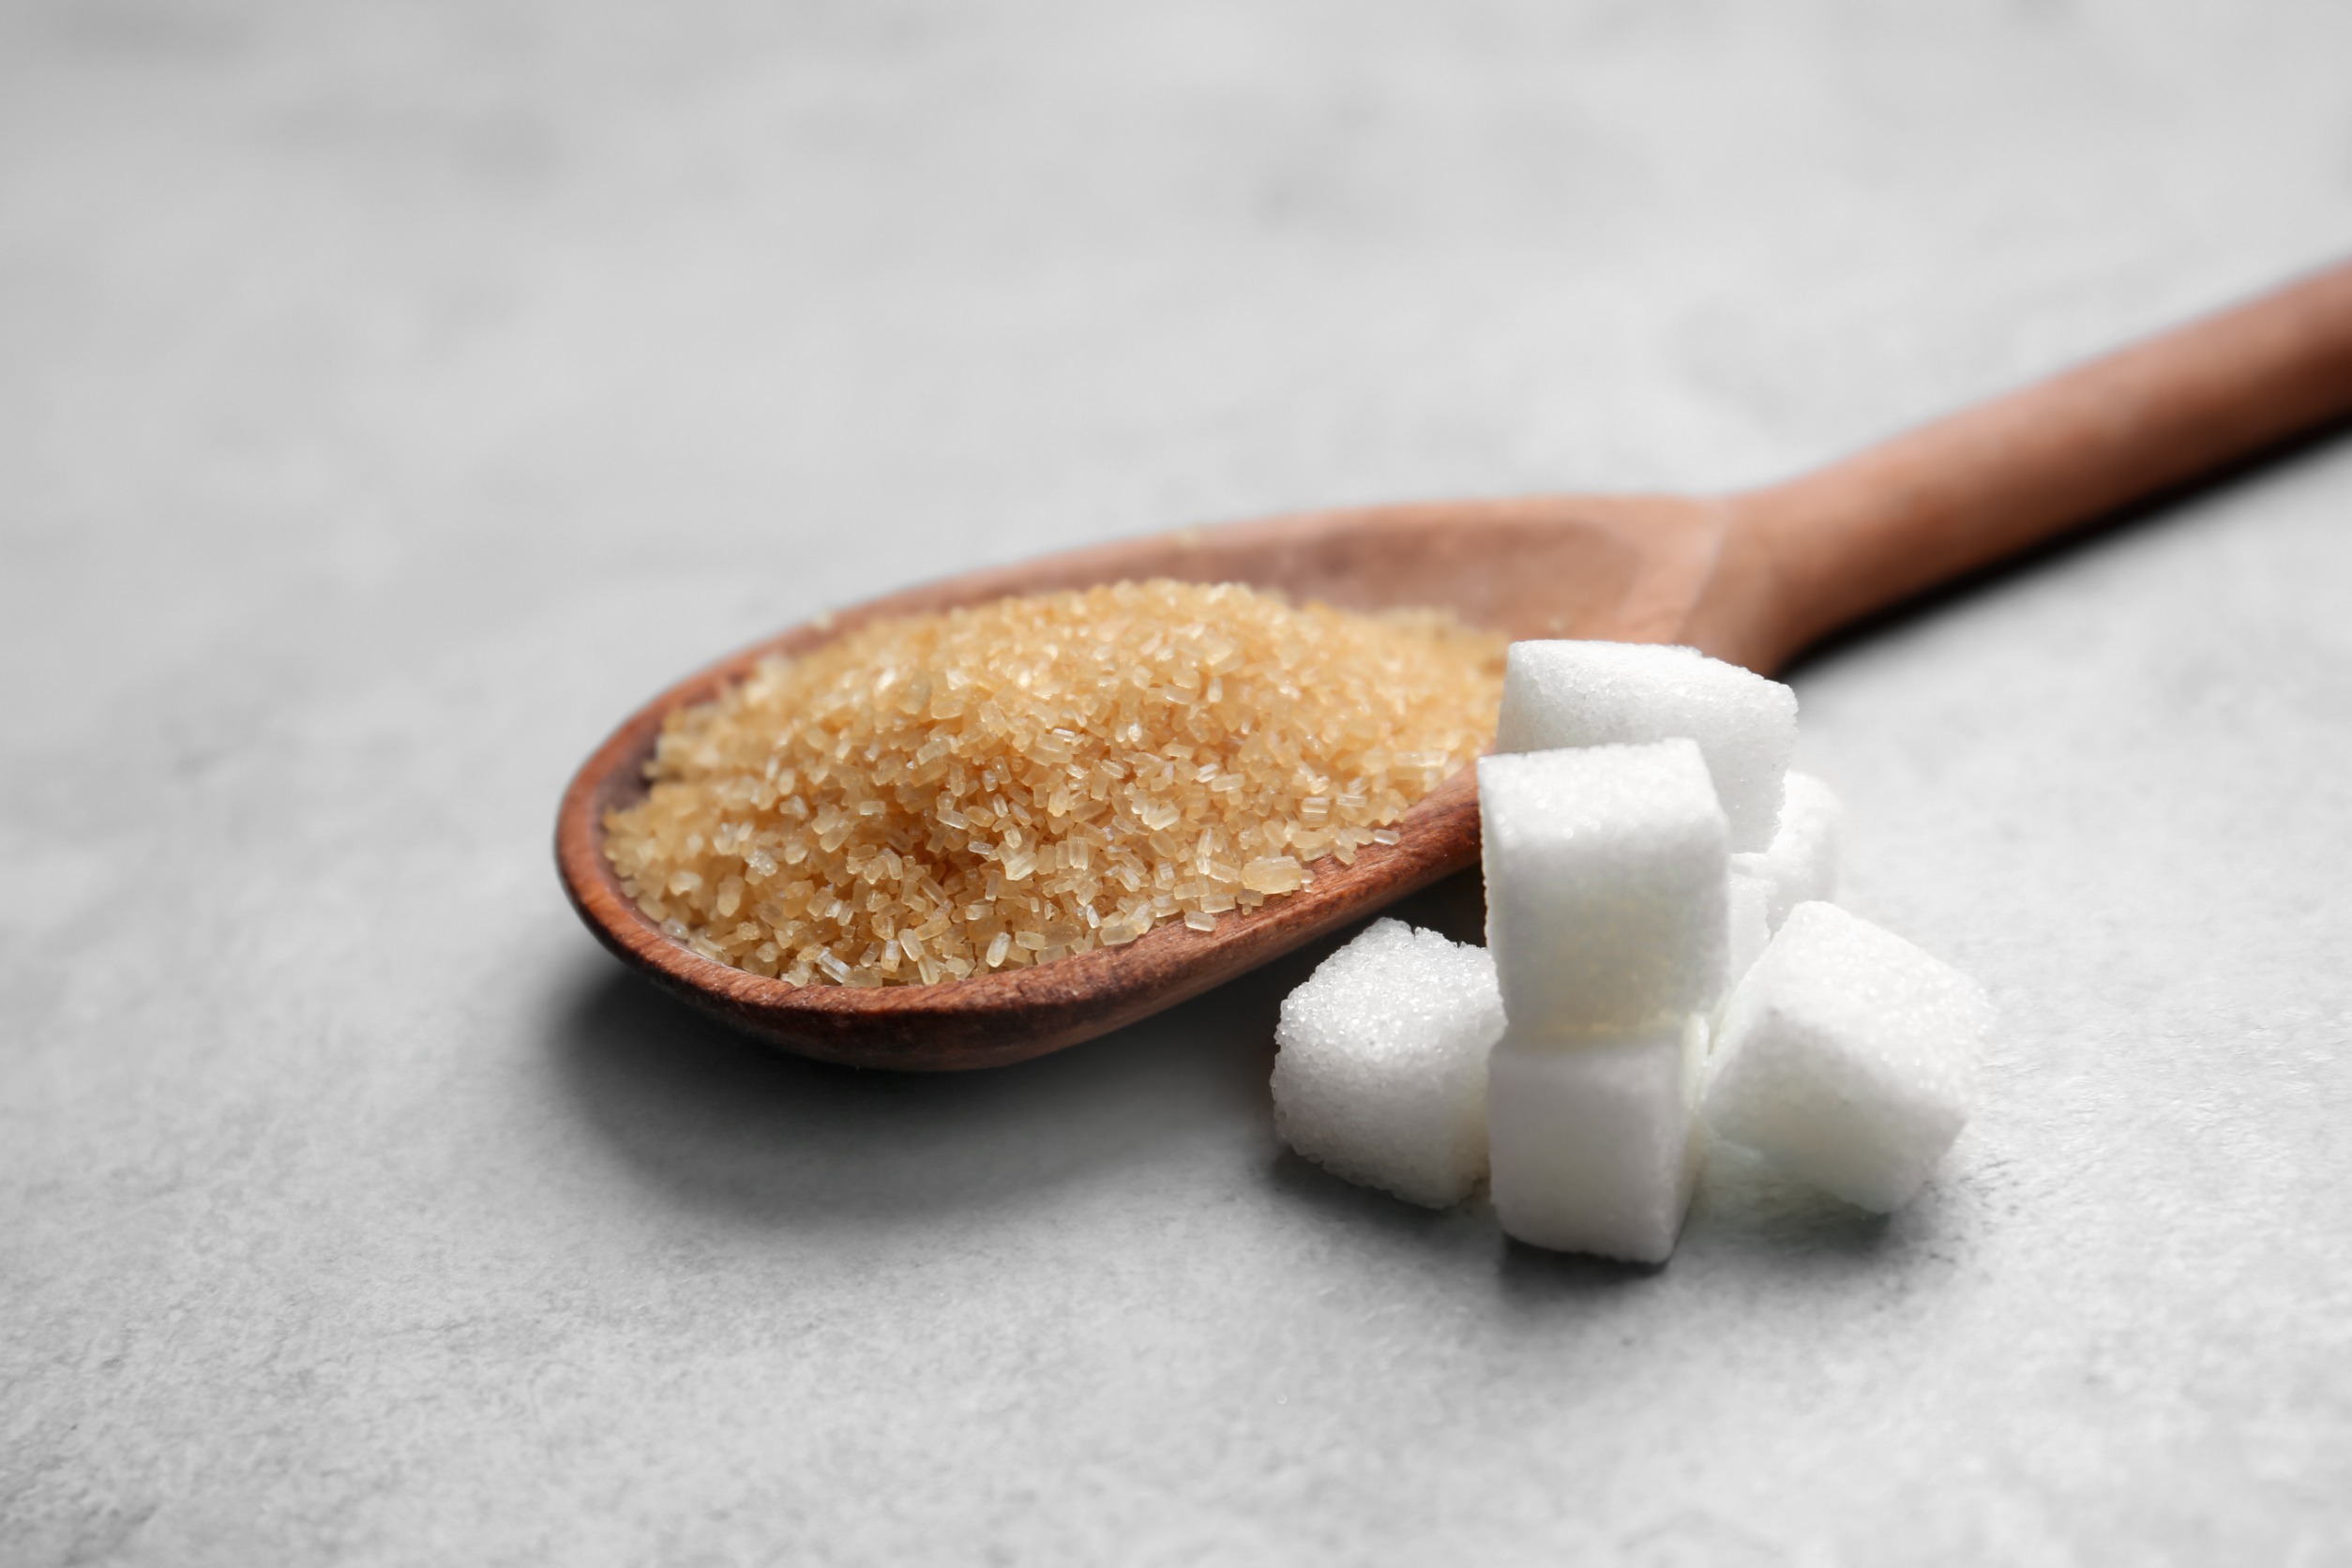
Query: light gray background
{"x": 392, "y": 397}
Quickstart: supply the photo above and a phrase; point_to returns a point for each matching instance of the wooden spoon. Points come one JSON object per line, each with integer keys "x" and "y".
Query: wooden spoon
{"x": 1751, "y": 578}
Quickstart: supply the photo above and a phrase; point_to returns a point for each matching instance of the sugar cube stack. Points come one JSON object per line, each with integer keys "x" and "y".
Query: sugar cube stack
{"x": 1801, "y": 862}
{"x": 1662, "y": 969}
{"x": 1607, "y": 911}
{"x": 1592, "y": 1142}
{"x": 1848, "y": 1058}
{"x": 1380, "y": 1074}
{"x": 1581, "y": 694}
{"x": 1606, "y": 885}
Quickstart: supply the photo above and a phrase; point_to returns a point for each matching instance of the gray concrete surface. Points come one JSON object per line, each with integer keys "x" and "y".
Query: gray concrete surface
{"x": 392, "y": 395}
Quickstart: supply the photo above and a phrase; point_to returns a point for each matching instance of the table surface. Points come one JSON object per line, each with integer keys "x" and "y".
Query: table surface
{"x": 391, "y": 397}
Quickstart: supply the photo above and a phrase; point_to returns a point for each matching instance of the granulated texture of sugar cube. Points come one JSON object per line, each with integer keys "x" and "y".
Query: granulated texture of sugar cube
{"x": 1593, "y": 1144}
{"x": 1748, "y": 900}
{"x": 1576, "y": 693}
{"x": 1606, "y": 885}
{"x": 1382, "y": 1074}
{"x": 1802, "y": 862}
{"x": 1848, "y": 1057}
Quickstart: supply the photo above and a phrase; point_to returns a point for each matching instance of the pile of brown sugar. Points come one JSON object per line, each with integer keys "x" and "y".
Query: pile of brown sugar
{"x": 942, "y": 795}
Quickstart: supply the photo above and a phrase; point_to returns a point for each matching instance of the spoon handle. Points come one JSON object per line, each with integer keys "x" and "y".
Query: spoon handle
{"x": 1823, "y": 550}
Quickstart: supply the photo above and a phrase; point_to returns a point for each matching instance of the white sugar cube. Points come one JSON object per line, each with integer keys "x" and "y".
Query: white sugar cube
{"x": 1594, "y": 1148}
{"x": 1577, "y": 693}
{"x": 1802, "y": 862}
{"x": 1606, "y": 885}
{"x": 1848, "y": 1057}
{"x": 1382, "y": 1074}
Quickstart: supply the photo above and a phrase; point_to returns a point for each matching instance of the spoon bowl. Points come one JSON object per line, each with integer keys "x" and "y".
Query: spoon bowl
{"x": 1751, "y": 578}
{"x": 1601, "y": 566}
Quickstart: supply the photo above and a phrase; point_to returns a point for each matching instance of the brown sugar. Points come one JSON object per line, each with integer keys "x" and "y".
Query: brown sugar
{"x": 942, "y": 795}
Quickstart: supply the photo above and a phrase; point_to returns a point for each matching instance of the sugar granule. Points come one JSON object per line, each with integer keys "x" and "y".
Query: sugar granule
{"x": 942, "y": 795}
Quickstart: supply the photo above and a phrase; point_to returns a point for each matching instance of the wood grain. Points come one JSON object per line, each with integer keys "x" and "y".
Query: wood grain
{"x": 1754, "y": 577}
